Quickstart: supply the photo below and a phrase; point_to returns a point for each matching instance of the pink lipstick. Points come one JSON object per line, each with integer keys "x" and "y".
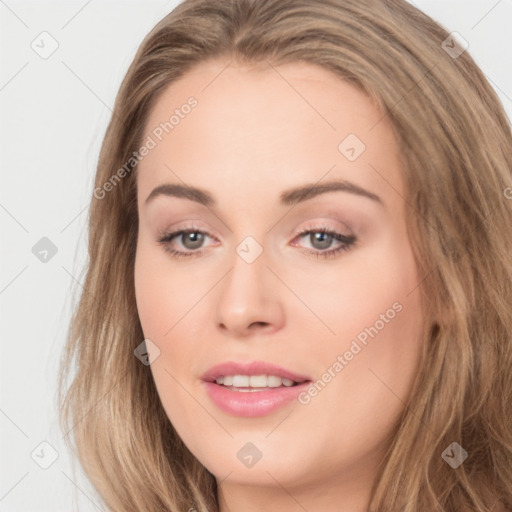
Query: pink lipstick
{"x": 252, "y": 389}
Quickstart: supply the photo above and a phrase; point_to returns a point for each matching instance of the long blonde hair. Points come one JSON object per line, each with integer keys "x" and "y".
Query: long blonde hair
{"x": 456, "y": 144}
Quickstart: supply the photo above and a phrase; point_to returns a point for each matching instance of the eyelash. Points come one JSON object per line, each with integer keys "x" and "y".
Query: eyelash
{"x": 347, "y": 241}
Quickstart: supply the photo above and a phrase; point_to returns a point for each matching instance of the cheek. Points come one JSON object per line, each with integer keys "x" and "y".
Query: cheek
{"x": 373, "y": 306}
{"x": 162, "y": 296}
{"x": 366, "y": 382}
{"x": 370, "y": 365}
{"x": 167, "y": 303}
{"x": 350, "y": 295}
{"x": 162, "y": 302}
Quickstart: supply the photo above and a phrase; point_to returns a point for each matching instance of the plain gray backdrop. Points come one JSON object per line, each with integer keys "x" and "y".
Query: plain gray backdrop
{"x": 54, "y": 111}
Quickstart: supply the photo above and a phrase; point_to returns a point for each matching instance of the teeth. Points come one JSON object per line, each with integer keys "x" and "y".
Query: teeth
{"x": 273, "y": 381}
{"x": 241, "y": 381}
{"x": 253, "y": 381}
{"x": 256, "y": 381}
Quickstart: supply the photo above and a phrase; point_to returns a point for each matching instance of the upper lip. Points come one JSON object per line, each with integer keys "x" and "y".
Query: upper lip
{"x": 252, "y": 368}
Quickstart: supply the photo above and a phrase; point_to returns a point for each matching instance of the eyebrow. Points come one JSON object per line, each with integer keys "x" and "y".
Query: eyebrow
{"x": 287, "y": 198}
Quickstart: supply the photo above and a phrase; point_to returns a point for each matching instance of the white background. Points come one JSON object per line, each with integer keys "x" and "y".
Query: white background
{"x": 53, "y": 116}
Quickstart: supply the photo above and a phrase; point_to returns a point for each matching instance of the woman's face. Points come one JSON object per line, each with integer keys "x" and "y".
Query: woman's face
{"x": 275, "y": 152}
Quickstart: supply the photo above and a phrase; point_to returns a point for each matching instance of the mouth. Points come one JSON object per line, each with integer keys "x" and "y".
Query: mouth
{"x": 253, "y": 375}
{"x": 252, "y": 389}
{"x": 255, "y": 383}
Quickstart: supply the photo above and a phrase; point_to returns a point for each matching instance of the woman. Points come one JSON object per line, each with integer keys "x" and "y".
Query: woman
{"x": 299, "y": 289}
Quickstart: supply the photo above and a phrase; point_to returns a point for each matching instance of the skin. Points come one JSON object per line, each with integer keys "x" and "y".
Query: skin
{"x": 256, "y": 132}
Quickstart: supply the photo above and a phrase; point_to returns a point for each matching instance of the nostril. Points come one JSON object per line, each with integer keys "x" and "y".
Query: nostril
{"x": 262, "y": 324}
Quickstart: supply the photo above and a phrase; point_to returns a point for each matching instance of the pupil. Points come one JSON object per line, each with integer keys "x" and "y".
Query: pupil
{"x": 324, "y": 240}
{"x": 193, "y": 240}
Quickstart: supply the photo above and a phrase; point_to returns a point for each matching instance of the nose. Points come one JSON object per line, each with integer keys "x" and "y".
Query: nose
{"x": 249, "y": 299}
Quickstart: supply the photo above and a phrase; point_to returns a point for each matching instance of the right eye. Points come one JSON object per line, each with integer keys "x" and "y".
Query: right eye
{"x": 191, "y": 239}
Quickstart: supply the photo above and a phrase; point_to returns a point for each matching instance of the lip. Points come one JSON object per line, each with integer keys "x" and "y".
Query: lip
{"x": 253, "y": 403}
{"x": 252, "y": 368}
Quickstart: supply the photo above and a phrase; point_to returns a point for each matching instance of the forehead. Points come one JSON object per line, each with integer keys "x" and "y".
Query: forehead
{"x": 282, "y": 125}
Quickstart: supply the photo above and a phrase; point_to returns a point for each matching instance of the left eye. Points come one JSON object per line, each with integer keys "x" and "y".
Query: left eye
{"x": 192, "y": 239}
{"x": 320, "y": 239}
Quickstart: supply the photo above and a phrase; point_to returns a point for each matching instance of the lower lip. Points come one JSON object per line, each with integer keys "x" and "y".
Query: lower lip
{"x": 252, "y": 403}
